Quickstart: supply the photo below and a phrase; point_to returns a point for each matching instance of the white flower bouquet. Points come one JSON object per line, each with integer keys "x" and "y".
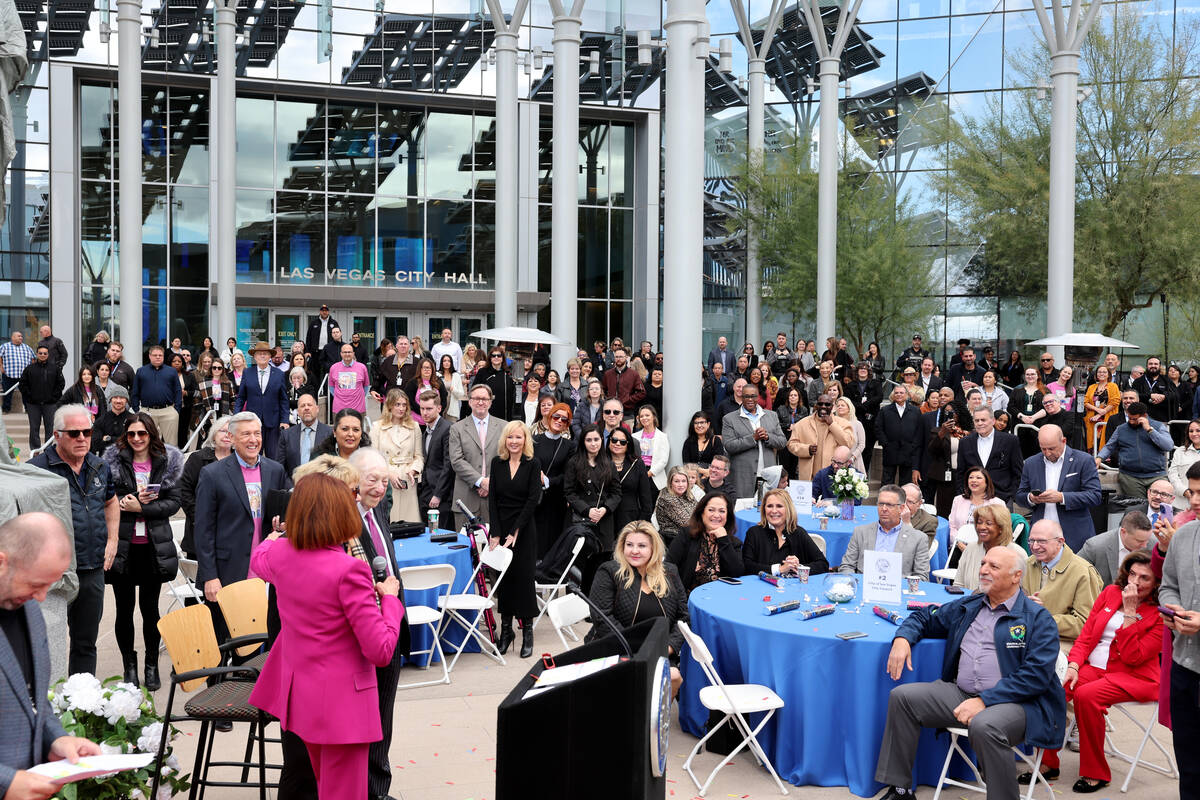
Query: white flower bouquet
{"x": 120, "y": 717}
{"x": 849, "y": 485}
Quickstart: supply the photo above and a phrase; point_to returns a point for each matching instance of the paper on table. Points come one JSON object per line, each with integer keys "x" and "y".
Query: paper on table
{"x": 881, "y": 577}
{"x": 91, "y": 766}
{"x": 560, "y": 675}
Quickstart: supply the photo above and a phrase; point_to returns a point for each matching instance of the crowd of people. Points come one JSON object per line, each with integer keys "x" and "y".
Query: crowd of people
{"x": 544, "y": 457}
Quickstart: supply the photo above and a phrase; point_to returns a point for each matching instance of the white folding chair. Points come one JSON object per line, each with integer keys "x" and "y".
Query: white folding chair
{"x": 564, "y": 612}
{"x": 458, "y": 607}
{"x": 732, "y": 700}
{"x": 819, "y": 541}
{"x": 1135, "y": 760}
{"x": 1034, "y": 762}
{"x": 418, "y": 579}
{"x": 545, "y": 592}
{"x": 183, "y": 586}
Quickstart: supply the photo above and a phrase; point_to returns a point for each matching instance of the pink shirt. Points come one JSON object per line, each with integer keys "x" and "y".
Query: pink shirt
{"x": 349, "y": 385}
{"x": 253, "y": 479}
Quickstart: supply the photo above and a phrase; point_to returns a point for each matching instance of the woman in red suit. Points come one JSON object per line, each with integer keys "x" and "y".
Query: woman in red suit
{"x": 1114, "y": 660}
{"x": 319, "y": 679}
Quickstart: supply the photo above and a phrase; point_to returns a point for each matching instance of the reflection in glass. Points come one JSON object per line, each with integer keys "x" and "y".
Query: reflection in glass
{"x": 189, "y": 316}
{"x": 97, "y": 259}
{"x": 593, "y": 163}
{"x": 96, "y": 110}
{"x": 400, "y": 249}
{"x": 593, "y": 252}
{"x": 449, "y": 236}
{"x": 484, "y": 261}
{"x": 300, "y": 145}
{"x": 620, "y": 254}
{"x": 255, "y": 224}
{"x": 189, "y": 236}
{"x": 351, "y": 232}
{"x": 400, "y": 145}
{"x": 154, "y": 236}
{"x": 255, "y": 142}
{"x": 448, "y": 155}
{"x": 154, "y": 317}
{"x": 300, "y": 237}
{"x": 621, "y": 161}
{"x": 187, "y": 121}
{"x": 351, "y": 150}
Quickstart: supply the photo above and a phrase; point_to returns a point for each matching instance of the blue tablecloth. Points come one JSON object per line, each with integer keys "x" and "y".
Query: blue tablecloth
{"x": 837, "y": 536}
{"x": 419, "y": 551}
{"x": 835, "y": 691}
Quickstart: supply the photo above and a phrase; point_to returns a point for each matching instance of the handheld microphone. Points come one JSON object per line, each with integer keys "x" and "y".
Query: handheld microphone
{"x": 379, "y": 567}
{"x": 573, "y": 588}
{"x": 473, "y": 522}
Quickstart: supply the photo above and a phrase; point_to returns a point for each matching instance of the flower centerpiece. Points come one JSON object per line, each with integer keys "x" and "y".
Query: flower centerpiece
{"x": 849, "y": 485}
{"x": 120, "y": 717}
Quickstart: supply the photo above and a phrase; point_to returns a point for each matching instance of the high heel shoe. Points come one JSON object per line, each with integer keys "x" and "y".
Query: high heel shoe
{"x": 506, "y": 635}
{"x": 526, "y": 638}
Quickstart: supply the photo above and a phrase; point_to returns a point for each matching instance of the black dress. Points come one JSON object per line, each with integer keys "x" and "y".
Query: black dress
{"x": 511, "y": 502}
{"x": 637, "y": 494}
{"x": 551, "y": 514}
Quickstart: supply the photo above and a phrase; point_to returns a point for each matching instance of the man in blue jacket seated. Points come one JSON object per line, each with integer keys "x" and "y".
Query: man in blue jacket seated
{"x": 998, "y": 680}
{"x": 823, "y": 478}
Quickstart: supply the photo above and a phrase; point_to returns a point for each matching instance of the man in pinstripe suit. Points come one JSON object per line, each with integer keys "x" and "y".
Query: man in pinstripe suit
{"x": 34, "y": 553}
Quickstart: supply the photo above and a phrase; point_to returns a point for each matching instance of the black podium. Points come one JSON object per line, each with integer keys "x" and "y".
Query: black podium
{"x": 596, "y": 737}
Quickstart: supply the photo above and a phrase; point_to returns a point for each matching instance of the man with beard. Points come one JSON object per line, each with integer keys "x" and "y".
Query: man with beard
{"x": 1155, "y": 391}
{"x": 815, "y": 438}
{"x": 966, "y": 374}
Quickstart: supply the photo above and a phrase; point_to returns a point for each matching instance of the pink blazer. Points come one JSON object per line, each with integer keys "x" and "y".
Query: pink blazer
{"x": 319, "y": 679}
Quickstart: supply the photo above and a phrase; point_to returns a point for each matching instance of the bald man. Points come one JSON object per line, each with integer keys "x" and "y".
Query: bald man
{"x": 1061, "y": 484}
{"x": 1003, "y": 695}
{"x": 823, "y": 479}
{"x": 35, "y": 551}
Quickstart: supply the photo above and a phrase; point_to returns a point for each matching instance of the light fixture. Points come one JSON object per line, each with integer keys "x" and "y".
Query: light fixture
{"x": 725, "y": 56}
{"x": 594, "y": 63}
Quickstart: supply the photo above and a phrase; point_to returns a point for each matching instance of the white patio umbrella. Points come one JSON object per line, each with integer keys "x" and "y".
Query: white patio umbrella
{"x": 520, "y": 335}
{"x": 1082, "y": 340}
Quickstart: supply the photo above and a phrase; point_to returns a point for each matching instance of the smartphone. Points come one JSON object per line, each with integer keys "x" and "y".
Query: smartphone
{"x": 730, "y": 581}
{"x": 457, "y": 547}
{"x": 955, "y": 589}
{"x": 153, "y": 488}
{"x": 848, "y": 635}
{"x": 1167, "y": 512}
{"x": 1166, "y": 612}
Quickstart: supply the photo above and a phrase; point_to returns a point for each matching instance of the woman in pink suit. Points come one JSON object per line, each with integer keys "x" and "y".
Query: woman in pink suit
{"x": 1114, "y": 660}
{"x": 319, "y": 679}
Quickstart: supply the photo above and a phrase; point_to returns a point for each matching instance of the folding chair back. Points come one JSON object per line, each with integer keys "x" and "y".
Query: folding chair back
{"x": 702, "y": 654}
{"x": 191, "y": 641}
{"x": 244, "y": 605}
{"x": 190, "y": 568}
{"x": 497, "y": 559}
{"x": 178, "y": 526}
{"x": 819, "y": 541}
{"x": 427, "y": 576}
{"x": 565, "y": 611}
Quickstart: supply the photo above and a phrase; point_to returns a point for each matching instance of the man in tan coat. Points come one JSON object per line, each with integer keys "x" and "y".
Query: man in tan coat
{"x": 1060, "y": 581}
{"x": 815, "y": 437}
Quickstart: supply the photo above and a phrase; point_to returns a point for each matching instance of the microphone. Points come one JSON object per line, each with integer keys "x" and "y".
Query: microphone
{"x": 473, "y": 522}
{"x": 573, "y": 588}
{"x": 379, "y": 567}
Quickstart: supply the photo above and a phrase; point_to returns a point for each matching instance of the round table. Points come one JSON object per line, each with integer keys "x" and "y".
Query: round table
{"x": 835, "y": 691}
{"x": 418, "y": 551}
{"x": 838, "y": 534}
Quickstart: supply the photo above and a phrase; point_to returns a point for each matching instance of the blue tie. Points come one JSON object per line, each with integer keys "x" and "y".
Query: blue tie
{"x": 305, "y": 444}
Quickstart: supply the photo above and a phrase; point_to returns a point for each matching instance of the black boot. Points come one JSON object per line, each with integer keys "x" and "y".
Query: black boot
{"x": 153, "y": 682}
{"x": 131, "y": 672}
{"x": 526, "y": 638}
{"x": 506, "y": 635}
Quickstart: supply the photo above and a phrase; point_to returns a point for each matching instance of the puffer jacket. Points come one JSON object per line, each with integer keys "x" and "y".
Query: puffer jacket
{"x": 157, "y": 514}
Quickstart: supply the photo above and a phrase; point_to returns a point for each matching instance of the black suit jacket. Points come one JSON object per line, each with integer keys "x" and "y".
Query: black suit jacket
{"x": 438, "y": 478}
{"x": 224, "y": 527}
{"x": 930, "y": 422}
{"x": 287, "y": 452}
{"x": 959, "y": 373}
{"x": 312, "y": 339}
{"x": 935, "y": 383}
{"x": 1004, "y": 462}
{"x": 404, "y": 644}
{"x": 902, "y": 438}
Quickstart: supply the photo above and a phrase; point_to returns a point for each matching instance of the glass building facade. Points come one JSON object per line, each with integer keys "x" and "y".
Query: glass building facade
{"x": 365, "y": 164}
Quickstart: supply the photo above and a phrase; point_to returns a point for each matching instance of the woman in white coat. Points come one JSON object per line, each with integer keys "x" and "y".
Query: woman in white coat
{"x": 655, "y": 449}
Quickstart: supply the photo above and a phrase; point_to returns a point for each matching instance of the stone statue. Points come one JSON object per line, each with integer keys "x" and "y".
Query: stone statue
{"x": 14, "y": 63}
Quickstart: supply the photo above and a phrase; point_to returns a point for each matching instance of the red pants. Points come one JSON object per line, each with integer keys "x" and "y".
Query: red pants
{"x": 340, "y": 770}
{"x": 1093, "y": 695}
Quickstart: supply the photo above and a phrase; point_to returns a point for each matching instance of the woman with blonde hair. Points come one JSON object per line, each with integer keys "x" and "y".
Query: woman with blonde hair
{"x": 993, "y": 527}
{"x": 399, "y": 440}
{"x": 673, "y": 509}
{"x": 845, "y": 409}
{"x": 778, "y": 544}
{"x": 640, "y": 584}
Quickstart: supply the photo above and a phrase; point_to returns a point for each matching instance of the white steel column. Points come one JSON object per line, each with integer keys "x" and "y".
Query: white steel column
{"x": 1064, "y": 36}
{"x": 225, "y": 243}
{"x": 564, "y": 234}
{"x": 830, "y": 54}
{"x": 129, "y": 148}
{"x": 683, "y": 212}
{"x": 507, "y": 159}
{"x": 756, "y": 71}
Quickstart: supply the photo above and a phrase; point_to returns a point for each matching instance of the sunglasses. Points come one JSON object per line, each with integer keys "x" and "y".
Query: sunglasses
{"x": 1044, "y": 360}
{"x": 560, "y": 418}
{"x": 75, "y": 433}
{"x": 612, "y": 413}
{"x": 136, "y": 434}
{"x": 621, "y": 442}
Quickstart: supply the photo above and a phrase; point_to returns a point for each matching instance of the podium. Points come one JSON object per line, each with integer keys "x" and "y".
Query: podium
{"x": 602, "y": 736}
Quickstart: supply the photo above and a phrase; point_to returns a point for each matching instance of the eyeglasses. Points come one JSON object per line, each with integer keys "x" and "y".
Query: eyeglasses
{"x": 75, "y": 433}
{"x": 136, "y": 434}
{"x": 560, "y": 418}
{"x": 611, "y": 413}
{"x": 1044, "y": 360}
{"x": 1040, "y": 542}
{"x": 888, "y": 505}
{"x": 1164, "y": 495}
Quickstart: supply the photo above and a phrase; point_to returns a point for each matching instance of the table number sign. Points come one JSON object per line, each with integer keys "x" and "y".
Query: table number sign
{"x": 802, "y": 498}
{"x": 881, "y": 577}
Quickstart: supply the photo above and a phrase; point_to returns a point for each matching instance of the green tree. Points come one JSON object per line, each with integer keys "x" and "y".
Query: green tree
{"x": 1137, "y": 197}
{"x": 884, "y": 283}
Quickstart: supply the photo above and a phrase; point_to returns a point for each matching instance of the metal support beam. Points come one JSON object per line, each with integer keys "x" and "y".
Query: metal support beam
{"x": 129, "y": 147}
{"x": 507, "y": 159}
{"x": 225, "y": 241}
{"x": 564, "y": 235}
{"x": 1064, "y": 36}
{"x": 683, "y": 211}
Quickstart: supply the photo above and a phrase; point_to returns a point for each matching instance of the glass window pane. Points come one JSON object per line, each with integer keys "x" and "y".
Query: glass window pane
{"x": 620, "y": 255}
{"x": 448, "y": 152}
{"x": 256, "y": 142}
{"x": 97, "y": 255}
{"x": 255, "y": 236}
{"x": 154, "y": 318}
{"x": 351, "y": 232}
{"x": 449, "y": 237}
{"x": 251, "y": 326}
{"x": 351, "y": 156}
{"x": 300, "y": 237}
{"x": 977, "y": 53}
{"x": 401, "y": 162}
{"x": 95, "y": 314}
{"x": 483, "y": 271}
{"x": 155, "y": 137}
{"x": 189, "y": 317}
{"x": 187, "y": 121}
{"x": 400, "y": 251}
{"x": 484, "y": 180}
{"x": 593, "y": 163}
{"x": 621, "y": 163}
{"x": 96, "y": 119}
{"x": 300, "y": 145}
{"x": 593, "y": 322}
{"x": 593, "y": 252}
{"x": 154, "y": 236}
{"x": 189, "y": 236}
{"x": 924, "y": 46}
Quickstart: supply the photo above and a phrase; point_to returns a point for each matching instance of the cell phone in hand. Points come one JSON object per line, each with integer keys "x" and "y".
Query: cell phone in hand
{"x": 153, "y": 488}
{"x": 1166, "y": 612}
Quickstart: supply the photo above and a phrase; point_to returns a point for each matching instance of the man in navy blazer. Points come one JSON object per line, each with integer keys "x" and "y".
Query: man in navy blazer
{"x": 1061, "y": 484}
{"x": 436, "y": 489}
{"x": 264, "y": 391}
{"x": 229, "y": 511}
{"x": 298, "y": 443}
{"x": 35, "y": 550}
{"x": 721, "y": 355}
{"x": 996, "y": 451}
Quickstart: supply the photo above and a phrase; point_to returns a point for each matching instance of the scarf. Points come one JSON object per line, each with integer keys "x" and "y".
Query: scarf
{"x": 708, "y": 563}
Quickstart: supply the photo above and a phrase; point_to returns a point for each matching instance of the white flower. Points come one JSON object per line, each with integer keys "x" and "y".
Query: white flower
{"x": 123, "y": 704}
{"x": 111, "y": 749}
{"x": 151, "y": 735}
{"x": 173, "y": 762}
{"x": 81, "y": 682}
{"x": 87, "y": 700}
